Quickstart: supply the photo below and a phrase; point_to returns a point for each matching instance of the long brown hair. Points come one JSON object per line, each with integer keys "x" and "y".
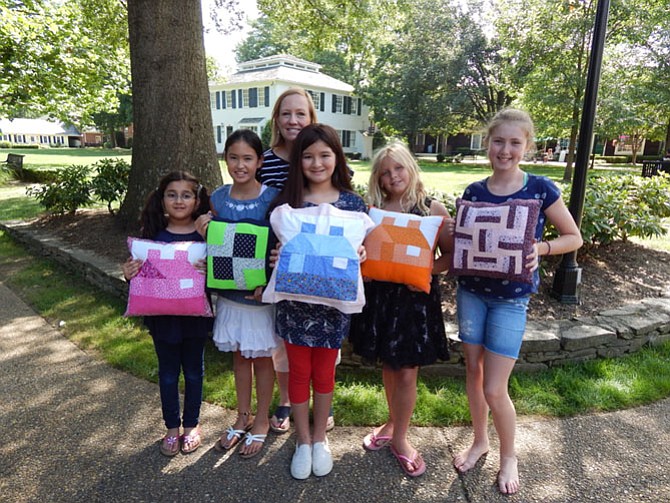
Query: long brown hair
{"x": 293, "y": 192}
{"x": 153, "y": 219}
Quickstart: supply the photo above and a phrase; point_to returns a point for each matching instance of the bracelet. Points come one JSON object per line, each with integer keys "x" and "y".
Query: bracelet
{"x": 548, "y": 247}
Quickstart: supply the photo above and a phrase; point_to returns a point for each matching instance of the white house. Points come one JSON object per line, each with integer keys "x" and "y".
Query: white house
{"x": 246, "y": 99}
{"x": 39, "y": 132}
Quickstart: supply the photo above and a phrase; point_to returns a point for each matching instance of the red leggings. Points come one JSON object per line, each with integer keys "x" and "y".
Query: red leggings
{"x": 305, "y": 365}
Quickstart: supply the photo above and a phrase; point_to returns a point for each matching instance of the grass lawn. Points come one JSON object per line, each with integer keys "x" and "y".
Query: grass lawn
{"x": 62, "y": 157}
{"x": 95, "y": 322}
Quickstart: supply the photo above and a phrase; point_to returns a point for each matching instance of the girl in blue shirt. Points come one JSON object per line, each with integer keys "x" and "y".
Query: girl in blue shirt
{"x": 492, "y": 312}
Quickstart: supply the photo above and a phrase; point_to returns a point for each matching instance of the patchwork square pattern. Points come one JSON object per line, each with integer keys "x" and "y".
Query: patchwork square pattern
{"x": 401, "y": 248}
{"x": 168, "y": 283}
{"x": 237, "y": 254}
{"x": 491, "y": 240}
{"x": 318, "y": 262}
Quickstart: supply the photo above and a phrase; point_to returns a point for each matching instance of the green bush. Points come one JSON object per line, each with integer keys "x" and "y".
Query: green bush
{"x": 619, "y": 206}
{"x": 110, "y": 181}
{"x": 24, "y": 146}
{"x": 440, "y": 157}
{"x": 5, "y": 144}
{"x": 32, "y": 175}
{"x": 70, "y": 191}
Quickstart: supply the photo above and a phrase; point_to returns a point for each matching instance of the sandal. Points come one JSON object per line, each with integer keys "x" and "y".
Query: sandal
{"x": 413, "y": 466}
{"x": 250, "y": 439}
{"x": 191, "y": 442}
{"x": 233, "y": 436}
{"x": 170, "y": 445}
{"x": 280, "y": 421}
{"x": 374, "y": 442}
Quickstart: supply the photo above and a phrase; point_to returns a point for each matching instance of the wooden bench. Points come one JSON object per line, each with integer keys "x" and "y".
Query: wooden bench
{"x": 652, "y": 168}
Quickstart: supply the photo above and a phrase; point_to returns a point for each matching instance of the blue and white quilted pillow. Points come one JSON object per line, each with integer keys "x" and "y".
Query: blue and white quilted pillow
{"x": 318, "y": 262}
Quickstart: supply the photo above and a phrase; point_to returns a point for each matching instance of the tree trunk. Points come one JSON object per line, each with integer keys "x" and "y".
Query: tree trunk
{"x": 171, "y": 110}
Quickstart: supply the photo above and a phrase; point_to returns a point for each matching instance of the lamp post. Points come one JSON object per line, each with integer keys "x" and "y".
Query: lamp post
{"x": 569, "y": 275}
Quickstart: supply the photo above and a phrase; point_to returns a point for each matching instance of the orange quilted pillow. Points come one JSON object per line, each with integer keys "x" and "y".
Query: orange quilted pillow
{"x": 401, "y": 248}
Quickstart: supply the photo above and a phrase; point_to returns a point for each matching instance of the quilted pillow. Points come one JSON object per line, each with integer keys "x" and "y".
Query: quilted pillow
{"x": 168, "y": 283}
{"x": 401, "y": 248}
{"x": 318, "y": 262}
{"x": 491, "y": 240}
{"x": 237, "y": 254}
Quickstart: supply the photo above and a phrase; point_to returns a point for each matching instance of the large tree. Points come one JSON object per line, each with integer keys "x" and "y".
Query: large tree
{"x": 172, "y": 117}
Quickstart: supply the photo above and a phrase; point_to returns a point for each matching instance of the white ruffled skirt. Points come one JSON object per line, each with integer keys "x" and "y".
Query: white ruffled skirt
{"x": 245, "y": 328}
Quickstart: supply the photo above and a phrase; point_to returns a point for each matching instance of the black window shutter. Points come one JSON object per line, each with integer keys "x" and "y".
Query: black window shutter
{"x": 218, "y": 100}
{"x": 234, "y": 95}
{"x": 360, "y": 105}
{"x": 334, "y": 103}
{"x": 223, "y": 99}
{"x": 240, "y": 100}
{"x": 322, "y": 103}
{"x": 267, "y": 96}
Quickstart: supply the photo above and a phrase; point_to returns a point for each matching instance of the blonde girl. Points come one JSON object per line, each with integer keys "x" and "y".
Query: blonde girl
{"x": 492, "y": 312}
{"x": 400, "y": 325}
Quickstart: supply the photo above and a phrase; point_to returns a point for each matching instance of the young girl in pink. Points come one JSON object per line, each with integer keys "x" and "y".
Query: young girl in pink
{"x": 169, "y": 215}
{"x": 400, "y": 325}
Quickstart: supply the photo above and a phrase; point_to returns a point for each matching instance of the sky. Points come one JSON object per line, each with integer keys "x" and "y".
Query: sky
{"x": 222, "y": 47}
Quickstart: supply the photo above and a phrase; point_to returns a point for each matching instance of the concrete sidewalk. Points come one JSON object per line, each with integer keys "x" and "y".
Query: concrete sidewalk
{"x": 77, "y": 430}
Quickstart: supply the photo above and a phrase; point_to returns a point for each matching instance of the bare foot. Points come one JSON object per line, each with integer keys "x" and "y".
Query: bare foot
{"x": 508, "y": 476}
{"x": 467, "y": 459}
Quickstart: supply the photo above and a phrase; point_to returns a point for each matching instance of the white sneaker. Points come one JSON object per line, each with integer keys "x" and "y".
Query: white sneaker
{"x": 322, "y": 459}
{"x": 301, "y": 464}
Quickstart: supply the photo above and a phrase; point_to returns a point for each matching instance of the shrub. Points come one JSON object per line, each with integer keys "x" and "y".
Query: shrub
{"x": 31, "y": 175}
{"x": 24, "y": 146}
{"x": 68, "y": 193}
{"x": 5, "y": 144}
{"x": 619, "y": 206}
{"x": 440, "y": 157}
{"x": 110, "y": 181}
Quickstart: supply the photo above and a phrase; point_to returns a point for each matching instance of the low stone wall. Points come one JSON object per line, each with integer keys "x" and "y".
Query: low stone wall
{"x": 611, "y": 333}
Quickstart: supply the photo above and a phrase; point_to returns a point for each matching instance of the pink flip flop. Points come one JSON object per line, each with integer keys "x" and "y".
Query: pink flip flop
{"x": 373, "y": 442}
{"x": 416, "y": 463}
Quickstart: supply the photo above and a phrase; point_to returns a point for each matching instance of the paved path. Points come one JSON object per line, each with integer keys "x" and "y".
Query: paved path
{"x": 76, "y": 430}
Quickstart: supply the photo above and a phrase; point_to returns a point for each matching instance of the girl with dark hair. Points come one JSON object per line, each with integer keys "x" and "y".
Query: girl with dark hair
{"x": 312, "y": 333}
{"x": 243, "y": 324}
{"x": 169, "y": 216}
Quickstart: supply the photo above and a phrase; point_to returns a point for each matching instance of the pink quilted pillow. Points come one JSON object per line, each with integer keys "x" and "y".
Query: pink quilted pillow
{"x": 491, "y": 240}
{"x": 168, "y": 283}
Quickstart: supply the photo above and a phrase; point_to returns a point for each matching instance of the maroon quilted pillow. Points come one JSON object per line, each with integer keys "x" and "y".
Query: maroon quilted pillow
{"x": 492, "y": 240}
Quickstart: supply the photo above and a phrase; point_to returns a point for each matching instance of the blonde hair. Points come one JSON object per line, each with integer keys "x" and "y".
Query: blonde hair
{"x": 415, "y": 195}
{"x": 521, "y": 118}
{"x": 277, "y": 139}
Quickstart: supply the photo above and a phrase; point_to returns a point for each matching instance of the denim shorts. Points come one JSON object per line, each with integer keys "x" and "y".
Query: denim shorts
{"x": 496, "y": 324}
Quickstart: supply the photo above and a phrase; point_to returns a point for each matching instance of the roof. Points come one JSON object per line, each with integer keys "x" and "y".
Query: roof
{"x": 284, "y": 68}
{"x": 36, "y": 126}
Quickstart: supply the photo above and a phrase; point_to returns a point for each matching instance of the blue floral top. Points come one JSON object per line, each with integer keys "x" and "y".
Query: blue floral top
{"x": 235, "y": 210}
{"x": 536, "y": 187}
{"x": 315, "y": 325}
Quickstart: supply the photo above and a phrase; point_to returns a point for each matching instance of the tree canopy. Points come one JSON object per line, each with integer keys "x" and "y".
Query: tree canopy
{"x": 65, "y": 59}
